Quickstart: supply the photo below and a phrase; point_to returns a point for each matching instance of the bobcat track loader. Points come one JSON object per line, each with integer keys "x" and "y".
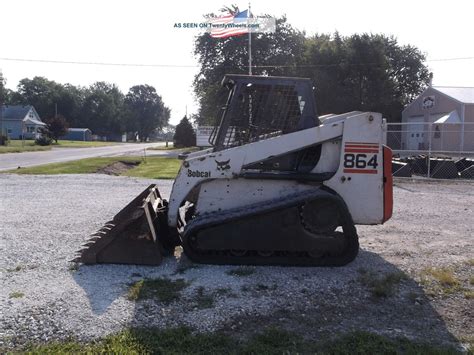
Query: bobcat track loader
{"x": 279, "y": 186}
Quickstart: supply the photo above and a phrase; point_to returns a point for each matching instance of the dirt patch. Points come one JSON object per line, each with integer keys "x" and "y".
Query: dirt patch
{"x": 117, "y": 168}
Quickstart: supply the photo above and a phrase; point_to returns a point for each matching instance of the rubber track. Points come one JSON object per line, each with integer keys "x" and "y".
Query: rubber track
{"x": 300, "y": 258}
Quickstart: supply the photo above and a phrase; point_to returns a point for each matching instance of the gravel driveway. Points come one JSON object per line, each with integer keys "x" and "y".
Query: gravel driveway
{"x": 44, "y": 220}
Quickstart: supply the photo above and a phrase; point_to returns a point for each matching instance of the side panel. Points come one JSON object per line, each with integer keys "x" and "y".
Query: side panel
{"x": 227, "y": 164}
{"x": 225, "y": 194}
{"x": 359, "y": 178}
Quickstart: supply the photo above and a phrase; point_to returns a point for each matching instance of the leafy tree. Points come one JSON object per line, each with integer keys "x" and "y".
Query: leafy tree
{"x": 57, "y": 127}
{"x": 407, "y": 70}
{"x": 3, "y": 90}
{"x": 145, "y": 111}
{"x": 363, "y": 72}
{"x": 102, "y": 109}
{"x": 218, "y": 57}
{"x": 39, "y": 92}
{"x": 358, "y": 72}
{"x": 47, "y": 97}
{"x": 184, "y": 135}
{"x": 69, "y": 101}
{"x": 5, "y": 93}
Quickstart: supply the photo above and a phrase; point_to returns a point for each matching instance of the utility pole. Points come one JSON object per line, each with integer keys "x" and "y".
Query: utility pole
{"x": 250, "y": 41}
{"x": 250, "y": 63}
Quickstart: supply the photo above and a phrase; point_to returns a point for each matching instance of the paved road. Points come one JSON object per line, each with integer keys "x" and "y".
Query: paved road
{"x": 14, "y": 160}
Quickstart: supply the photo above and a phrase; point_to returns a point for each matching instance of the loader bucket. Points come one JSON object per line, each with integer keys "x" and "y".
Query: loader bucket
{"x": 133, "y": 236}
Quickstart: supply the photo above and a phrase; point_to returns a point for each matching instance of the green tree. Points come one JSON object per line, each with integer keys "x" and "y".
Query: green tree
{"x": 39, "y": 92}
{"x": 358, "y": 72}
{"x": 145, "y": 111}
{"x": 5, "y": 93}
{"x": 69, "y": 103}
{"x": 363, "y": 72}
{"x": 102, "y": 109}
{"x": 57, "y": 127}
{"x": 184, "y": 135}
{"x": 218, "y": 57}
{"x": 3, "y": 90}
{"x": 49, "y": 98}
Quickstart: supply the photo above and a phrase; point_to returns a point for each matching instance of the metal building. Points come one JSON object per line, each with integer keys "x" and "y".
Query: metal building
{"x": 440, "y": 118}
{"x": 78, "y": 134}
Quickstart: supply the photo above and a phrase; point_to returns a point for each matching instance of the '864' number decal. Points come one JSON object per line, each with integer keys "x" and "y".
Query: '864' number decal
{"x": 361, "y": 158}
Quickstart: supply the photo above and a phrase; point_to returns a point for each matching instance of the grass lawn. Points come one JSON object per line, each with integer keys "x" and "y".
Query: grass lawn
{"x": 18, "y": 146}
{"x": 80, "y": 144}
{"x": 154, "y": 167}
{"x": 163, "y": 147}
{"x": 171, "y": 147}
{"x": 269, "y": 341}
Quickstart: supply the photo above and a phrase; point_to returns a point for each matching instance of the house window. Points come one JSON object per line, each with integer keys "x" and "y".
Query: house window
{"x": 9, "y": 130}
{"x": 30, "y": 129}
{"x": 31, "y": 115}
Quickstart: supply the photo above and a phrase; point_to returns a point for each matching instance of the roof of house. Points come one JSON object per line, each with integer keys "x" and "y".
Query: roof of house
{"x": 451, "y": 117}
{"x": 462, "y": 94}
{"x": 30, "y": 120}
{"x": 16, "y": 112}
{"x": 19, "y": 112}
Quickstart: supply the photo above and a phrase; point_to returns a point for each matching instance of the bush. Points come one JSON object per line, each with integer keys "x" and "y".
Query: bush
{"x": 57, "y": 127}
{"x": 184, "y": 135}
{"x": 43, "y": 141}
{"x": 3, "y": 139}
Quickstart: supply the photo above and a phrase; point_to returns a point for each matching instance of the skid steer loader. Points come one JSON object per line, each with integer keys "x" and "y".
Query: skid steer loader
{"x": 279, "y": 186}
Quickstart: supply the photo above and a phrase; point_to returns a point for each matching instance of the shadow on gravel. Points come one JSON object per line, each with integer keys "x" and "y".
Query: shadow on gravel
{"x": 103, "y": 284}
{"x": 358, "y": 305}
{"x": 315, "y": 303}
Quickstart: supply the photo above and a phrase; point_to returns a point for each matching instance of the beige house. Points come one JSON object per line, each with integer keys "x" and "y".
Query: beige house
{"x": 441, "y": 117}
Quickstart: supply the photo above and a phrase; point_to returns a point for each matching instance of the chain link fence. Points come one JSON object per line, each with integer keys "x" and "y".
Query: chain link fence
{"x": 433, "y": 150}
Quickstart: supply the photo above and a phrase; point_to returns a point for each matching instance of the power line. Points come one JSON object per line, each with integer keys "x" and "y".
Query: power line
{"x": 351, "y": 64}
{"x": 99, "y": 63}
{"x": 449, "y": 59}
{"x": 196, "y": 66}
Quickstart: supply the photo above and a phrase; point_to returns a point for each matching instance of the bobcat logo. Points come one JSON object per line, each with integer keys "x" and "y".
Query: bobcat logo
{"x": 223, "y": 165}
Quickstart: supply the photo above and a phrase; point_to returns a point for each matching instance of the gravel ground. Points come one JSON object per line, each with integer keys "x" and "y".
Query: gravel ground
{"x": 44, "y": 220}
